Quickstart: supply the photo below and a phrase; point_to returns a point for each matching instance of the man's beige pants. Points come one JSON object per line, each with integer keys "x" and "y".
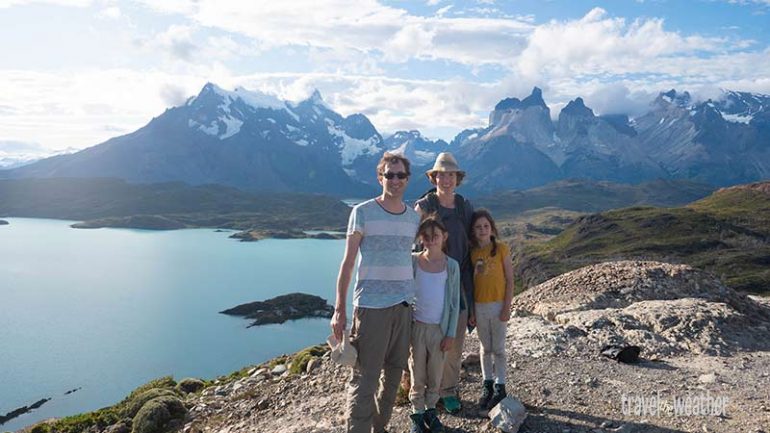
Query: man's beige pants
{"x": 381, "y": 337}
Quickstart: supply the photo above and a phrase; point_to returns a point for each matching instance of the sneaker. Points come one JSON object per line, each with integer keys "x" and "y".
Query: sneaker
{"x": 498, "y": 395}
{"x": 451, "y": 404}
{"x": 432, "y": 421}
{"x": 418, "y": 423}
{"x": 486, "y": 394}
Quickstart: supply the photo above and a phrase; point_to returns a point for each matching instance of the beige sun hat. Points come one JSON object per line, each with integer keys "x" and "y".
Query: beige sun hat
{"x": 342, "y": 351}
{"x": 445, "y": 162}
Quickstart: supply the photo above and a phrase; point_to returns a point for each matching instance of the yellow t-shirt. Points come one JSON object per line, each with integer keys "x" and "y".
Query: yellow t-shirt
{"x": 488, "y": 273}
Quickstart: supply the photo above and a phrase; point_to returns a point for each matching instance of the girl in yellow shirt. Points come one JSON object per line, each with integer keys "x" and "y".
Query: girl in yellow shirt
{"x": 493, "y": 282}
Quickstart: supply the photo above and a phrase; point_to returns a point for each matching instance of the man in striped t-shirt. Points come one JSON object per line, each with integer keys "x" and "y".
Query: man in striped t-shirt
{"x": 382, "y": 230}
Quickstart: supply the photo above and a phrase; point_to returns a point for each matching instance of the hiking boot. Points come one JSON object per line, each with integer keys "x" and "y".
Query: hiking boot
{"x": 486, "y": 394}
{"x": 418, "y": 423}
{"x": 451, "y": 404}
{"x": 432, "y": 421}
{"x": 498, "y": 395}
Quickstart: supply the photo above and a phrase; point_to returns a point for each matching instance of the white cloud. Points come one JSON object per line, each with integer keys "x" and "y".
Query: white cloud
{"x": 616, "y": 98}
{"x": 441, "y": 12}
{"x": 10, "y": 146}
{"x": 363, "y": 26}
{"x": 70, "y": 3}
{"x": 177, "y": 40}
{"x": 749, "y": 2}
{"x": 78, "y": 108}
{"x": 112, "y": 12}
{"x": 597, "y": 44}
{"x": 347, "y": 50}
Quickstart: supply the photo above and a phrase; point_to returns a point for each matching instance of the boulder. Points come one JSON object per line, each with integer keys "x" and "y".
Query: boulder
{"x": 119, "y": 427}
{"x": 190, "y": 384}
{"x": 508, "y": 415}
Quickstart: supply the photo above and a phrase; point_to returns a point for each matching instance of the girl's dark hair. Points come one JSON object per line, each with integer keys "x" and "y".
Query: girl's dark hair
{"x": 477, "y": 215}
{"x": 430, "y": 223}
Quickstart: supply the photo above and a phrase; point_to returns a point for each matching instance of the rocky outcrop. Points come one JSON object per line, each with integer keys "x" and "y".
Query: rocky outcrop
{"x": 3, "y": 223}
{"x": 22, "y": 410}
{"x": 282, "y": 308}
{"x": 666, "y": 309}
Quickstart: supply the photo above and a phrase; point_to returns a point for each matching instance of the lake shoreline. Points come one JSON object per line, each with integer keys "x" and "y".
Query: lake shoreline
{"x": 142, "y": 304}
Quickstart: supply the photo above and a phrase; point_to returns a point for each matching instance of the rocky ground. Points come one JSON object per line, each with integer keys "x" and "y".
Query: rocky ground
{"x": 704, "y": 349}
{"x": 705, "y": 367}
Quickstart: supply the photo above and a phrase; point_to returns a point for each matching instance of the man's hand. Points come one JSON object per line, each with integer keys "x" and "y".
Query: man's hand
{"x": 505, "y": 314}
{"x": 472, "y": 320}
{"x": 338, "y": 323}
{"x": 446, "y": 344}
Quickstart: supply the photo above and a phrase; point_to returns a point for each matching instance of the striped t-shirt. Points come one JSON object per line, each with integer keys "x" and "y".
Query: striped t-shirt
{"x": 385, "y": 277}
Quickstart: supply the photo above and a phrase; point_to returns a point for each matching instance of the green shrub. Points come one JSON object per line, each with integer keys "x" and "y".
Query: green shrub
{"x": 78, "y": 423}
{"x": 130, "y": 408}
{"x": 161, "y": 382}
{"x": 107, "y": 416}
{"x": 300, "y": 360}
{"x": 156, "y": 414}
{"x": 41, "y": 428}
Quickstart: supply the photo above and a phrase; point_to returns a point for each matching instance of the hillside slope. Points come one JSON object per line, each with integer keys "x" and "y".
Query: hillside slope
{"x": 174, "y": 204}
{"x": 727, "y": 233}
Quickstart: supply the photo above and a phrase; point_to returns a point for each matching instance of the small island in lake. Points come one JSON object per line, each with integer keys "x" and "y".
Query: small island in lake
{"x": 22, "y": 410}
{"x": 257, "y": 235}
{"x": 282, "y": 308}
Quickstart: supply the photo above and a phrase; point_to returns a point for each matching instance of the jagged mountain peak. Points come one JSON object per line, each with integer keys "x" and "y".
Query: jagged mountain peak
{"x": 419, "y": 149}
{"x": 577, "y": 107}
{"x": 314, "y": 100}
{"x": 535, "y": 99}
{"x": 399, "y": 135}
{"x": 253, "y": 98}
{"x": 672, "y": 97}
{"x": 316, "y": 97}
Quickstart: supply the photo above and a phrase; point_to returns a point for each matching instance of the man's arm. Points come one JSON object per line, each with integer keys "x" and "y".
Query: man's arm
{"x": 339, "y": 319}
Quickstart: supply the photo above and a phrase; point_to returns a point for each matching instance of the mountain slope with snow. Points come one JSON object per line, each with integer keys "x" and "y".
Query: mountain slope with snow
{"x": 257, "y": 142}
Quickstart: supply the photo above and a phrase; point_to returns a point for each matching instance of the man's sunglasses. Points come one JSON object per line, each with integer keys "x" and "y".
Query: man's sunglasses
{"x": 390, "y": 175}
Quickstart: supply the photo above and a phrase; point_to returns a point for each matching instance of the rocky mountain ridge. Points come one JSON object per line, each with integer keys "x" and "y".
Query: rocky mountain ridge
{"x": 254, "y": 141}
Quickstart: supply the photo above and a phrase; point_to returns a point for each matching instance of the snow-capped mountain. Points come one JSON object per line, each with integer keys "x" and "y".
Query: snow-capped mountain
{"x": 255, "y": 141}
{"x": 719, "y": 142}
{"x": 238, "y": 138}
{"x": 15, "y": 154}
{"x": 420, "y": 151}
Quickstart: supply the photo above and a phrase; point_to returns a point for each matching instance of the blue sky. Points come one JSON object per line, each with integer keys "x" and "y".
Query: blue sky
{"x": 74, "y": 73}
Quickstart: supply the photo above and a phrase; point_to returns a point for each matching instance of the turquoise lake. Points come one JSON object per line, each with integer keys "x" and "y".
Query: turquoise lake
{"x": 107, "y": 310}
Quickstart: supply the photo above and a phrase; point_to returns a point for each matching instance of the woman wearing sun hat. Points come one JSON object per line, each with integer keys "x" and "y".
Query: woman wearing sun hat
{"x": 455, "y": 212}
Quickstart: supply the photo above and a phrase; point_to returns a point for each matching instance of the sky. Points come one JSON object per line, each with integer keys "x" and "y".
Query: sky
{"x": 74, "y": 73}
